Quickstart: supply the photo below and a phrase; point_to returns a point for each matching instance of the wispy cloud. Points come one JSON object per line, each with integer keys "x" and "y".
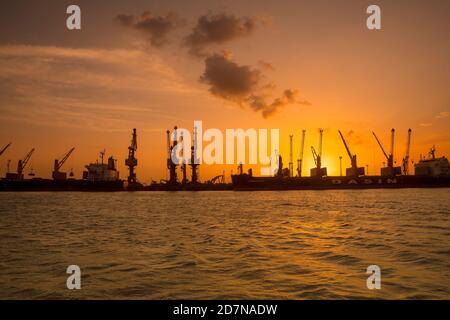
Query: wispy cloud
{"x": 442, "y": 115}
{"x": 89, "y": 88}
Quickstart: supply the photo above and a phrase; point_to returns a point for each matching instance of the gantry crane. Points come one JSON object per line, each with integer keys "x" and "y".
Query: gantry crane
{"x": 21, "y": 164}
{"x": 4, "y": 149}
{"x": 353, "y": 171}
{"x": 405, "y": 163}
{"x": 131, "y": 162}
{"x": 389, "y": 170}
{"x": 300, "y": 159}
{"x": 56, "y": 174}
{"x": 318, "y": 171}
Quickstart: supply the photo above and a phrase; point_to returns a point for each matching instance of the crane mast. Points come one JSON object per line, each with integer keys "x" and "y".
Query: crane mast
{"x": 300, "y": 159}
{"x": 184, "y": 179}
{"x": 406, "y": 158}
{"x": 391, "y": 155}
{"x": 170, "y": 164}
{"x": 194, "y": 162}
{"x": 291, "y": 165}
{"x": 320, "y": 142}
{"x": 318, "y": 171}
{"x": 131, "y": 162}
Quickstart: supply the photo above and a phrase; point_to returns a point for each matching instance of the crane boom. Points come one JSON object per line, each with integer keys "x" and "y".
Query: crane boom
{"x": 23, "y": 163}
{"x": 346, "y": 146}
{"x": 381, "y": 146}
{"x": 4, "y": 149}
{"x": 320, "y": 142}
{"x": 315, "y": 156}
{"x": 59, "y": 164}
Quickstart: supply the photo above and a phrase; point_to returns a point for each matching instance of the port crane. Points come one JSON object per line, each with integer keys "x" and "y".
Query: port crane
{"x": 405, "y": 163}
{"x": 184, "y": 179}
{"x": 217, "y": 179}
{"x": 131, "y": 162}
{"x": 21, "y": 164}
{"x": 194, "y": 160}
{"x": 4, "y": 149}
{"x": 389, "y": 170}
{"x": 318, "y": 171}
{"x": 170, "y": 164}
{"x": 300, "y": 158}
{"x": 291, "y": 165}
{"x": 354, "y": 171}
{"x": 56, "y": 174}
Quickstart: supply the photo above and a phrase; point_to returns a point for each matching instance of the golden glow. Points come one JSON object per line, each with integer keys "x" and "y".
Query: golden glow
{"x": 88, "y": 90}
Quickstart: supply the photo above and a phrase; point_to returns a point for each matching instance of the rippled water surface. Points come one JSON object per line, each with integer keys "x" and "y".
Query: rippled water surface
{"x": 226, "y": 245}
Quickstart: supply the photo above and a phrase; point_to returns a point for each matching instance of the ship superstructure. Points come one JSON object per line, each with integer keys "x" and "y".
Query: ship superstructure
{"x": 434, "y": 167}
{"x": 102, "y": 171}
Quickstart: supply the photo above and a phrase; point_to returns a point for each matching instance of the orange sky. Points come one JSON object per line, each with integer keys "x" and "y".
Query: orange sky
{"x": 87, "y": 89}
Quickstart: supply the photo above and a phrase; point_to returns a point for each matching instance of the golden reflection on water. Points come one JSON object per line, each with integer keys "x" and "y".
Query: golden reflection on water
{"x": 280, "y": 245}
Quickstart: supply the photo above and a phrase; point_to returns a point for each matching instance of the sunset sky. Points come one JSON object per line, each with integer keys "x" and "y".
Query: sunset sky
{"x": 151, "y": 65}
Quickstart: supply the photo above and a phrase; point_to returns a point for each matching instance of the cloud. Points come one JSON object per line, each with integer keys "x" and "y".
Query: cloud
{"x": 227, "y": 79}
{"x": 156, "y": 28}
{"x": 442, "y": 115}
{"x": 243, "y": 85}
{"x": 258, "y": 103}
{"x": 97, "y": 89}
{"x": 217, "y": 29}
{"x": 427, "y": 124}
{"x": 266, "y": 65}
{"x": 352, "y": 138}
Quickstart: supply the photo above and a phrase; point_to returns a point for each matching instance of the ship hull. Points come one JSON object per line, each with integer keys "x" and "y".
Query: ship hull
{"x": 189, "y": 187}
{"x": 61, "y": 185}
{"x": 246, "y": 182}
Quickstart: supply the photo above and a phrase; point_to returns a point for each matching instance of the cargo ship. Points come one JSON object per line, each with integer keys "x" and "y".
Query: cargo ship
{"x": 428, "y": 173}
{"x": 98, "y": 176}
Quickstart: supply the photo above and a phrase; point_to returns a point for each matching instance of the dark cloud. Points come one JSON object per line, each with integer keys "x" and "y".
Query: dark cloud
{"x": 227, "y": 79}
{"x": 259, "y": 103}
{"x": 216, "y": 29}
{"x": 155, "y": 27}
{"x": 242, "y": 85}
